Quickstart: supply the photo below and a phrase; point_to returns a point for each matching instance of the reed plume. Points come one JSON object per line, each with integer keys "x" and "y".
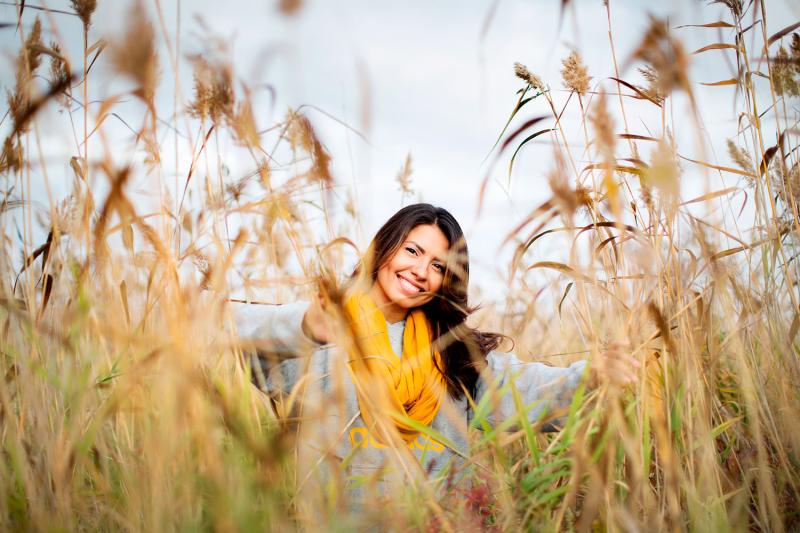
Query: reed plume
{"x": 783, "y": 71}
{"x": 60, "y": 71}
{"x": 126, "y": 395}
{"x": 12, "y": 156}
{"x": 654, "y": 89}
{"x": 85, "y": 10}
{"x": 290, "y": 7}
{"x": 666, "y": 56}
{"x": 522, "y": 72}
{"x": 734, "y": 6}
{"x": 741, "y": 157}
{"x": 403, "y": 177}
{"x": 27, "y": 63}
{"x": 603, "y": 125}
{"x": 575, "y": 74}
{"x": 134, "y": 54}
{"x": 213, "y": 92}
{"x": 301, "y": 134}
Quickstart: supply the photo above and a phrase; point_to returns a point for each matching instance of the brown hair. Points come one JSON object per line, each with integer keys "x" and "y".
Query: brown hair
{"x": 463, "y": 349}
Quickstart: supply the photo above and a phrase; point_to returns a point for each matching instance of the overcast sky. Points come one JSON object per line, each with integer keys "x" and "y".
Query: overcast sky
{"x": 415, "y": 77}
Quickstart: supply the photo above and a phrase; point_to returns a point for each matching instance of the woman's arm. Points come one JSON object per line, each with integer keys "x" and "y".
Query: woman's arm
{"x": 546, "y": 389}
{"x": 542, "y": 389}
{"x": 274, "y": 331}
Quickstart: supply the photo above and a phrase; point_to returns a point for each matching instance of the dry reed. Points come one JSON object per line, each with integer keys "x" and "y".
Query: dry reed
{"x": 127, "y": 404}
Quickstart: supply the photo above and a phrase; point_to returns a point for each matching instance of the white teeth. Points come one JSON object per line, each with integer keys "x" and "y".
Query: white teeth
{"x": 408, "y": 286}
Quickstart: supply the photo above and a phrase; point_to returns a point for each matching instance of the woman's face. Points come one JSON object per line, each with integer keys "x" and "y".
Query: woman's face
{"x": 414, "y": 274}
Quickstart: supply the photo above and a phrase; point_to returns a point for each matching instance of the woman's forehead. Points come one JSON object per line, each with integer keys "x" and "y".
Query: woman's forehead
{"x": 430, "y": 238}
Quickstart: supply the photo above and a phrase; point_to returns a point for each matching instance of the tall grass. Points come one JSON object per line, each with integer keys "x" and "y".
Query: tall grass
{"x": 126, "y": 403}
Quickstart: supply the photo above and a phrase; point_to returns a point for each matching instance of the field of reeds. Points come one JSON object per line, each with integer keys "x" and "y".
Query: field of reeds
{"x": 126, "y": 404}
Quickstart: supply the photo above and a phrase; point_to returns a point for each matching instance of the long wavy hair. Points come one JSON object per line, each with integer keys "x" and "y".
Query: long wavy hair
{"x": 463, "y": 349}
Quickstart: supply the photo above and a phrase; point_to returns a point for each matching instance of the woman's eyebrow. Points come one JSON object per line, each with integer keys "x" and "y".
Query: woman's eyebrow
{"x": 422, "y": 250}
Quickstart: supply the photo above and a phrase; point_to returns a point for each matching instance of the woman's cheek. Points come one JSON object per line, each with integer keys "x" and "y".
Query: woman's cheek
{"x": 436, "y": 286}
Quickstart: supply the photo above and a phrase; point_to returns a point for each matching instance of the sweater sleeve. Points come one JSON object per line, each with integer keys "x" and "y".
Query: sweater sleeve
{"x": 274, "y": 331}
{"x": 273, "y": 338}
{"x": 542, "y": 389}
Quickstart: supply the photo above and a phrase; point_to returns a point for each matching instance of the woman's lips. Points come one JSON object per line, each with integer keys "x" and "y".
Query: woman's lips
{"x": 408, "y": 287}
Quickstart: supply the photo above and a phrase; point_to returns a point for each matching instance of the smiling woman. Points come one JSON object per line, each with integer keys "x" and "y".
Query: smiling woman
{"x": 394, "y": 366}
{"x": 419, "y": 260}
{"x": 413, "y": 275}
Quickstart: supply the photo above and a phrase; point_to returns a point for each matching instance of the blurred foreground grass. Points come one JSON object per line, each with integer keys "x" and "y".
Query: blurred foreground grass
{"x": 125, "y": 404}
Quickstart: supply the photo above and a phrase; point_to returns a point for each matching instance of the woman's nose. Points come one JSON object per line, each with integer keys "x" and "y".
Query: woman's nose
{"x": 419, "y": 268}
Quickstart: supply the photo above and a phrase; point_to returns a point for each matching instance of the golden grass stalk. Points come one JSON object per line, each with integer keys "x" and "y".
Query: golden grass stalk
{"x": 127, "y": 403}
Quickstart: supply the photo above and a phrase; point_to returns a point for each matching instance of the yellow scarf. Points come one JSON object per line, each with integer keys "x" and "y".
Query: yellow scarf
{"x": 411, "y": 385}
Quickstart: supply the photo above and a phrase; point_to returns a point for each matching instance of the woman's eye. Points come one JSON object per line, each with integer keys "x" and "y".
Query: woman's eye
{"x": 438, "y": 267}
{"x": 412, "y": 251}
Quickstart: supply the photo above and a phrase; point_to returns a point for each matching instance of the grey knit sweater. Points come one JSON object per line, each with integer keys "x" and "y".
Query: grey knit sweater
{"x": 313, "y": 379}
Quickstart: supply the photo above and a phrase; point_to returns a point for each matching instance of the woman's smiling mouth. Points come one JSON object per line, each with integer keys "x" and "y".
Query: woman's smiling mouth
{"x": 407, "y": 286}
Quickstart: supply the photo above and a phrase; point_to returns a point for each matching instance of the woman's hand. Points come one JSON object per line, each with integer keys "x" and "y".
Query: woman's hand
{"x": 316, "y": 322}
{"x": 615, "y": 366}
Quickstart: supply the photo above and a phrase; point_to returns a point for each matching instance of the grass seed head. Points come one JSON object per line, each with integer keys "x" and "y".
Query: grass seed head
{"x": 646, "y": 194}
{"x": 84, "y": 9}
{"x": 135, "y": 54}
{"x": 742, "y": 159}
{"x": 786, "y": 181}
{"x": 31, "y": 59}
{"x": 603, "y": 125}
{"x": 403, "y": 177}
{"x": 350, "y": 206}
{"x": 301, "y": 134}
{"x": 28, "y": 61}
{"x": 735, "y": 7}
{"x": 67, "y": 215}
{"x": 237, "y": 189}
{"x": 666, "y": 57}
{"x": 782, "y": 73}
{"x": 522, "y": 72}
{"x": 791, "y": 185}
{"x": 701, "y": 306}
{"x": 574, "y": 73}
{"x": 200, "y": 262}
{"x": 59, "y": 66}
{"x": 11, "y": 158}
{"x": 653, "y": 89}
{"x": 663, "y": 172}
{"x": 567, "y": 199}
{"x": 213, "y": 92}
{"x": 243, "y": 124}
{"x": 199, "y": 107}
{"x": 289, "y": 7}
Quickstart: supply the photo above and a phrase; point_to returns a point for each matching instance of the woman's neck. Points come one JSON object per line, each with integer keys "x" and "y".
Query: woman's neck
{"x": 391, "y": 311}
